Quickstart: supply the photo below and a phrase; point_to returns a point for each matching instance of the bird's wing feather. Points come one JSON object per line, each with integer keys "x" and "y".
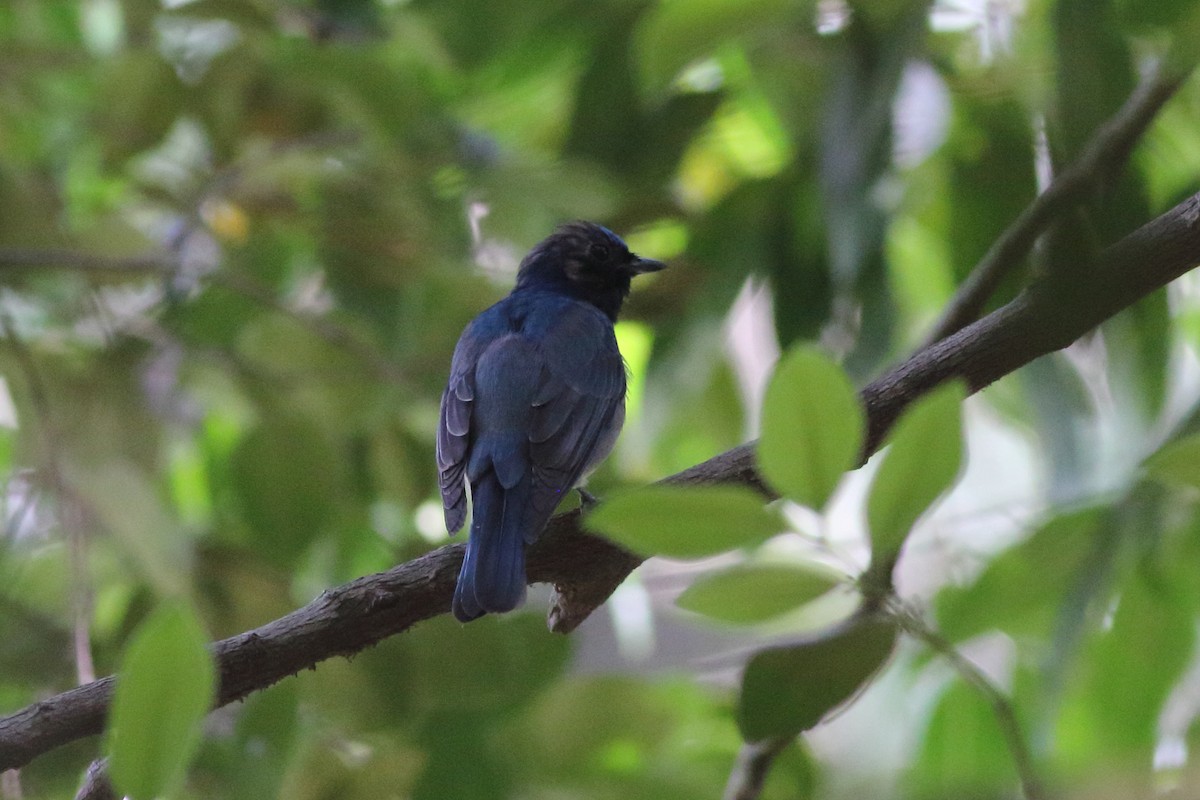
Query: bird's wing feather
{"x": 454, "y": 425}
{"x": 581, "y": 394}
{"x": 560, "y": 384}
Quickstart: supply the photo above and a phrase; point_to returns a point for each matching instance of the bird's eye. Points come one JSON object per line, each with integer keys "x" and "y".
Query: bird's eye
{"x": 599, "y": 252}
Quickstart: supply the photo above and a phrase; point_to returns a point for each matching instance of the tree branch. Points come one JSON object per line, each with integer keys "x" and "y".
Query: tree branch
{"x": 319, "y": 325}
{"x": 352, "y": 617}
{"x": 1105, "y": 155}
{"x": 13, "y": 259}
{"x": 96, "y": 785}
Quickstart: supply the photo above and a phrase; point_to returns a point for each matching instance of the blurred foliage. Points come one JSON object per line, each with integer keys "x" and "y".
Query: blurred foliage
{"x": 238, "y": 241}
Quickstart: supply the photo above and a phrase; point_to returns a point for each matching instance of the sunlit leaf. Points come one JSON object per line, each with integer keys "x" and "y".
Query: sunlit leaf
{"x": 812, "y": 427}
{"x": 635, "y": 342}
{"x": 787, "y": 690}
{"x": 164, "y": 689}
{"x": 685, "y": 521}
{"x": 921, "y": 462}
{"x": 755, "y": 592}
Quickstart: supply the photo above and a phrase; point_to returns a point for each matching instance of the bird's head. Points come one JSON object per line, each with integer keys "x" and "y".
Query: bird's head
{"x": 585, "y": 261}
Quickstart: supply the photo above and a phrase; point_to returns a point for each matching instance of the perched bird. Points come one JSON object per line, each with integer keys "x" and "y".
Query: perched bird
{"x": 535, "y": 401}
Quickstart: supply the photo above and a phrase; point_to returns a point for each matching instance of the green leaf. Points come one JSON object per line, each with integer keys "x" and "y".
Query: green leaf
{"x": 686, "y": 521}
{"x": 812, "y": 427}
{"x": 1177, "y": 463}
{"x": 963, "y": 752}
{"x": 1021, "y": 592}
{"x": 921, "y": 463}
{"x": 674, "y": 34}
{"x": 755, "y": 592}
{"x": 1117, "y": 693}
{"x": 165, "y": 686}
{"x": 787, "y": 690}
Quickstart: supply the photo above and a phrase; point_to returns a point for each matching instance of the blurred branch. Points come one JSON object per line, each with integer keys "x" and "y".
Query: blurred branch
{"x": 10, "y": 785}
{"x": 322, "y": 327}
{"x": 750, "y": 772}
{"x": 96, "y": 785}
{"x": 14, "y": 259}
{"x": 1104, "y": 156}
{"x": 22, "y": 258}
{"x": 1006, "y": 715}
{"x": 585, "y": 568}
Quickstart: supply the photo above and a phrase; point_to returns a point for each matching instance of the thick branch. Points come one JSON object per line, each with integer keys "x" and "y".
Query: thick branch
{"x": 1105, "y": 154}
{"x": 359, "y": 614}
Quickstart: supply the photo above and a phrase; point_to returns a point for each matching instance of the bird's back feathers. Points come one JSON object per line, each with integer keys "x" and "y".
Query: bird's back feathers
{"x": 535, "y": 400}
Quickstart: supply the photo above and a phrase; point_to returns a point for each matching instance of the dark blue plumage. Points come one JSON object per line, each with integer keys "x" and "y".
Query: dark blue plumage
{"x": 535, "y": 400}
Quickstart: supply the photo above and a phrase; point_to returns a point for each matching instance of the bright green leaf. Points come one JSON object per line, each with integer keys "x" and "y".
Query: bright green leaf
{"x": 787, "y": 690}
{"x": 921, "y": 463}
{"x": 812, "y": 427}
{"x": 755, "y": 592}
{"x": 686, "y": 521}
{"x": 165, "y": 687}
{"x": 1177, "y": 463}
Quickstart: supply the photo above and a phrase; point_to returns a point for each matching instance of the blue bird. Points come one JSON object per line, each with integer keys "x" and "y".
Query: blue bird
{"x": 535, "y": 401}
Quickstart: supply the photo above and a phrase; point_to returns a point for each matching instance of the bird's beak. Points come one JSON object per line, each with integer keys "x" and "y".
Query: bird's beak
{"x": 640, "y": 266}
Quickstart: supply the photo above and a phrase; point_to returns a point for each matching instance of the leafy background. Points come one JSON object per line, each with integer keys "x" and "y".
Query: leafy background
{"x": 238, "y": 241}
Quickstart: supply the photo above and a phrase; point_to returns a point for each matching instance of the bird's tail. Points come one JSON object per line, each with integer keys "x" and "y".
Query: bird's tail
{"x": 492, "y": 577}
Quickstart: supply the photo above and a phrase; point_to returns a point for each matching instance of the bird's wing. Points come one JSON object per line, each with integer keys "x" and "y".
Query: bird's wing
{"x": 560, "y": 383}
{"x": 579, "y": 402}
{"x": 454, "y": 426}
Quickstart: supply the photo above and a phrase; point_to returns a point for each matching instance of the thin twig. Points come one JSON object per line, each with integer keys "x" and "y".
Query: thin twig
{"x": 1002, "y": 708}
{"x": 750, "y": 771}
{"x": 1105, "y": 154}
